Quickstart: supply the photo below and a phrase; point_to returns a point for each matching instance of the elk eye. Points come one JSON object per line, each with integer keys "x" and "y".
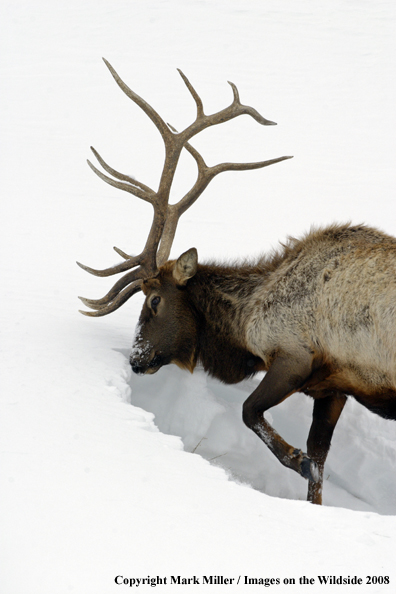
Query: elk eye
{"x": 154, "y": 303}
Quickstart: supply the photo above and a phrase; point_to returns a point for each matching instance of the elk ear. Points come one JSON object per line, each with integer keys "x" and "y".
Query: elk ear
{"x": 186, "y": 266}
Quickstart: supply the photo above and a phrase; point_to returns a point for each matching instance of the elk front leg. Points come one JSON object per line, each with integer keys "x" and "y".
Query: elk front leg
{"x": 326, "y": 413}
{"x": 285, "y": 376}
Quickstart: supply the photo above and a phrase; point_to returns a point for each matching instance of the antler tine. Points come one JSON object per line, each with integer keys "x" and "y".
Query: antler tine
{"x": 197, "y": 98}
{"x": 122, "y": 253}
{"x": 235, "y": 109}
{"x": 148, "y": 110}
{"x": 121, "y": 298}
{"x": 127, "y": 265}
{"x": 206, "y": 174}
{"x": 127, "y": 187}
{"x": 130, "y": 277}
{"x": 121, "y": 176}
{"x": 249, "y": 110}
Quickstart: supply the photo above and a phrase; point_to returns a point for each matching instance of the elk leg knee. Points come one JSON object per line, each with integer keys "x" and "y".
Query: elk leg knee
{"x": 326, "y": 413}
{"x": 284, "y": 377}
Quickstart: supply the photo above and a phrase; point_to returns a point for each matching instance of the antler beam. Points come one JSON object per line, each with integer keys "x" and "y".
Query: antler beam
{"x": 166, "y": 216}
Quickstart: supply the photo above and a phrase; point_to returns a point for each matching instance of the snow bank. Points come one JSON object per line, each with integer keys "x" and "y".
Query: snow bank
{"x": 361, "y": 469}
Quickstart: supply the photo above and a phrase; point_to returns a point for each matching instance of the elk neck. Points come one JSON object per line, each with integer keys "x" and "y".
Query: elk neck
{"x": 220, "y": 299}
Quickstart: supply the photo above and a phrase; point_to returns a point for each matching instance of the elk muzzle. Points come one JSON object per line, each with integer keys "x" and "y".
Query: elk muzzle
{"x": 141, "y": 367}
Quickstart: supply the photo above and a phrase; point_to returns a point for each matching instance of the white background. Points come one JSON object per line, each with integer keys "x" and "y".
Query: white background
{"x": 91, "y": 489}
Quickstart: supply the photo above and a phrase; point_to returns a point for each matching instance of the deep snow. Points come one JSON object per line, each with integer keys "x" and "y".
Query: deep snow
{"x": 92, "y": 484}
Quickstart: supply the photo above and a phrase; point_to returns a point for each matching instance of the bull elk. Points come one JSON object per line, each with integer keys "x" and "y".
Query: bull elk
{"x": 318, "y": 315}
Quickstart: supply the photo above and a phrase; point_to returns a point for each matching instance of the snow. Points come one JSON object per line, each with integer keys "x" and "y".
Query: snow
{"x": 104, "y": 473}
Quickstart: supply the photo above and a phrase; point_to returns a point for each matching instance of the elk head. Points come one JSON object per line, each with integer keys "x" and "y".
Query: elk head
{"x": 168, "y": 328}
{"x": 144, "y": 270}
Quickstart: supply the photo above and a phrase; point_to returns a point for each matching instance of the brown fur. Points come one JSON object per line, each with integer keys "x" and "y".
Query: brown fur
{"x": 318, "y": 315}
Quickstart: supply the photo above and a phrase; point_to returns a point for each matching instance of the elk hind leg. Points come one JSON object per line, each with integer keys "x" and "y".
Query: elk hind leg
{"x": 326, "y": 412}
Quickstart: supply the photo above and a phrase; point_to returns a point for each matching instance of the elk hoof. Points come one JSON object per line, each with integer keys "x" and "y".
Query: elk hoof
{"x": 309, "y": 469}
{"x": 305, "y": 466}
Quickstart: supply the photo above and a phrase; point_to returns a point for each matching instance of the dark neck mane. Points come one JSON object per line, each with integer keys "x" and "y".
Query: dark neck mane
{"x": 218, "y": 294}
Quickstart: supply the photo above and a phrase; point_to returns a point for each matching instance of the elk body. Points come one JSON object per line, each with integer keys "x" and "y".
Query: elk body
{"x": 318, "y": 315}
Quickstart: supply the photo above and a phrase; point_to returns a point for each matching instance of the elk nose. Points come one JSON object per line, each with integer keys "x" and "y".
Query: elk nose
{"x": 136, "y": 367}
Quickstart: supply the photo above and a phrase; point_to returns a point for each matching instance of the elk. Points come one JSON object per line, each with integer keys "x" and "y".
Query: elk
{"x": 318, "y": 315}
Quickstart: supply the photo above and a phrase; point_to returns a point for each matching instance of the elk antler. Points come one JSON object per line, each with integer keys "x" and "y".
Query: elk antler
{"x": 166, "y": 216}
